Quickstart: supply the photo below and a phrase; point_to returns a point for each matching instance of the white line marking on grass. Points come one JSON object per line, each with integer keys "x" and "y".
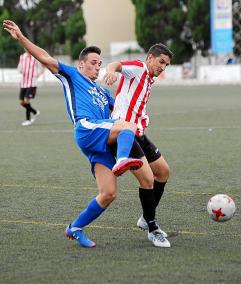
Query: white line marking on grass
{"x": 184, "y": 128}
{"x": 195, "y": 111}
{"x": 196, "y": 128}
{"x": 36, "y": 131}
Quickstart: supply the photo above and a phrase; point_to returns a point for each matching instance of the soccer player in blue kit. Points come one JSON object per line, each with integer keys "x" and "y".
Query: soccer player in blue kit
{"x": 89, "y": 107}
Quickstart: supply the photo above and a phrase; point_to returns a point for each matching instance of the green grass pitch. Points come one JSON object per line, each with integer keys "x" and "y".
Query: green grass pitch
{"x": 45, "y": 181}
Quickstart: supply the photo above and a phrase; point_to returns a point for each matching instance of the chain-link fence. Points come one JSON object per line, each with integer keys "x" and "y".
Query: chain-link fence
{"x": 237, "y": 28}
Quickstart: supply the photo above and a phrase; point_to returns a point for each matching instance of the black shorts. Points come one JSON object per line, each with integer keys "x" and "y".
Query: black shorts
{"x": 142, "y": 146}
{"x": 148, "y": 148}
{"x": 28, "y": 93}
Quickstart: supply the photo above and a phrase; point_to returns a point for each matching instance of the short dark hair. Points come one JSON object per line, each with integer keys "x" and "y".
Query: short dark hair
{"x": 158, "y": 49}
{"x": 90, "y": 49}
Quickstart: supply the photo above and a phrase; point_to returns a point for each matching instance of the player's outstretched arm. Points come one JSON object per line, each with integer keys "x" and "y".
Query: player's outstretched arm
{"x": 110, "y": 76}
{"x": 40, "y": 54}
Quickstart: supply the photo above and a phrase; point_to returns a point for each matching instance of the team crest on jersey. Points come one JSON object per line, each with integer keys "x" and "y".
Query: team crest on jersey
{"x": 99, "y": 97}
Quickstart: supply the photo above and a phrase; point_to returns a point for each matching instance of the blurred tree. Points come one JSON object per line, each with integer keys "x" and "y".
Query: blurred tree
{"x": 9, "y": 49}
{"x": 163, "y": 21}
{"x": 58, "y": 26}
{"x": 184, "y": 25}
{"x": 74, "y": 31}
{"x": 199, "y": 24}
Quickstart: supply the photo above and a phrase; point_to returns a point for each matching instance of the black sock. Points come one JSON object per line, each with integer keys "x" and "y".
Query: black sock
{"x": 29, "y": 109}
{"x": 158, "y": 190}
{"x": 32, "y": 109}
{"x": 148, "y": 206}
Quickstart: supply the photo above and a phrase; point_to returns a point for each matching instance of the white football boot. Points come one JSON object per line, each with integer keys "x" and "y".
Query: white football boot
{"x": 35, "y": 116}
{"x": 158, "y": 239}
{"x": 141, "y": 223}
{"x": 27, "y": 123}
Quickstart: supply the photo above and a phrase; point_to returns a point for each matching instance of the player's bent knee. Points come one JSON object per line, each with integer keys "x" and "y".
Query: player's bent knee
{"x": 147, "y": 183}
{"x": 145, "y": 180}
{"x": 163, "y": 177}
{"x": 109, "y": 197}
{"x": 162, "y": 173}
{"x": 167, "y": 172}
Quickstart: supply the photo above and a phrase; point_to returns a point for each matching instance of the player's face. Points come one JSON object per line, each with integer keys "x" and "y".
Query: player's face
{"x": 90, "y": 67}
{"x": 156, "y": 65}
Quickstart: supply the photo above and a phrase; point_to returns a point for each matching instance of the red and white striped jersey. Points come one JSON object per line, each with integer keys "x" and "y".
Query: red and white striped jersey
{"x": 132, "y": 94}
{"x": 29, "y": 67}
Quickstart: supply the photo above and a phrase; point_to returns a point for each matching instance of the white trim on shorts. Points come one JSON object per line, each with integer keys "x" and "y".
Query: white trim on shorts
{"x": 91, "y": 125}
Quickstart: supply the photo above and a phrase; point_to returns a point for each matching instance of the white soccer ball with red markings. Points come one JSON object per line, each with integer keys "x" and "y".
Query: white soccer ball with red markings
{"x": 221, "y": 207}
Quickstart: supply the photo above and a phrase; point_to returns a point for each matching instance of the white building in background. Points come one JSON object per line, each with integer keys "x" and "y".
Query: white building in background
{"x": 108, "y": 23}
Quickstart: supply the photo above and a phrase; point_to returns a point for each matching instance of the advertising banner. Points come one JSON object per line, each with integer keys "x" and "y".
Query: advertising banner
{"x": 221, "y": 26}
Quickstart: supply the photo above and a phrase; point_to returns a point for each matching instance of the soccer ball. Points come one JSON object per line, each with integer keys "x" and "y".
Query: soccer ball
{"x": 221, "y": 207}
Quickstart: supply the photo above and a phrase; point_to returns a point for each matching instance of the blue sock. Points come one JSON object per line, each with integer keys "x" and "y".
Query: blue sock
{"x": 125, "y": 141}
{"x": 90, "y": 213}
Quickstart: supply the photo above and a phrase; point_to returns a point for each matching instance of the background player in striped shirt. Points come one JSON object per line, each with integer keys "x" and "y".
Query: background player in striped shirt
{"x": 30, "y": 69}
{"x": 89, "y": 106}
{"x": 132, "y": 95}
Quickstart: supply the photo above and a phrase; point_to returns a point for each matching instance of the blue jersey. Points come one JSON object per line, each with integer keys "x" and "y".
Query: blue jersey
{"x": 84, "y": 98}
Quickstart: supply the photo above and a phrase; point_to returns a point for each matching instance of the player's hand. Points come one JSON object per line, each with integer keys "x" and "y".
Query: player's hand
{"x": 12, "y": 28}
{"x": 110, "y": 78}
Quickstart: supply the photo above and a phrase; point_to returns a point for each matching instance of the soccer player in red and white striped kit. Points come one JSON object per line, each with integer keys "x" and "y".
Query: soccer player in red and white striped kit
{"x": 30, "y": 69}
{"x": 131, "y": 98}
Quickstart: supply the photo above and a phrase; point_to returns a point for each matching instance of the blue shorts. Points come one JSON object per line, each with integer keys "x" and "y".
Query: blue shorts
{"x": 91, "y": 136}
